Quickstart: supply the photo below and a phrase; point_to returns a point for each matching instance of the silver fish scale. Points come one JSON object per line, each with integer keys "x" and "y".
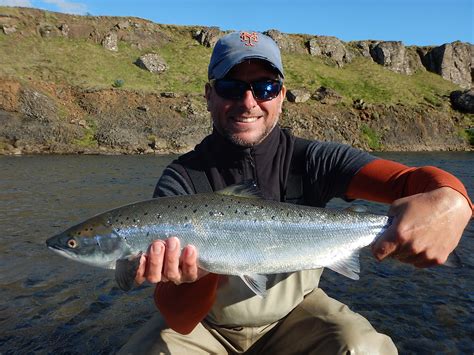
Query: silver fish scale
{"x": 237, "y": 235}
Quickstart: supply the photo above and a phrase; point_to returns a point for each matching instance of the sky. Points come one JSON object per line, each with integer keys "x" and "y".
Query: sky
{"x": 414, "y": 22}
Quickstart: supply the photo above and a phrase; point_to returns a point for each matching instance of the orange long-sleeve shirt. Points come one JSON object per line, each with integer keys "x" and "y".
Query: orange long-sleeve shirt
{"x": 185, "y": 305}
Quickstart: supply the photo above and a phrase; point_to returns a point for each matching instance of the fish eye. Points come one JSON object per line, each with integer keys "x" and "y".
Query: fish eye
{"x": 71, "y": 243}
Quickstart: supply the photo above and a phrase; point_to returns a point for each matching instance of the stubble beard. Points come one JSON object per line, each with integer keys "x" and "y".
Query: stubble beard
{"x": 244, "y": 143}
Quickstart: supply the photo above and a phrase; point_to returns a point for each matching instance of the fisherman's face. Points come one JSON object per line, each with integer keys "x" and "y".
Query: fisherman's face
{"x": 247, "y": 121}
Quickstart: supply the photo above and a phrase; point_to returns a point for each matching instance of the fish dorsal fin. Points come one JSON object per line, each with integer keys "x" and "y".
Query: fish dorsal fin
{"x": 357, "y": 209}
{"x": 349, "y": 267}
{"x": 257, "y": 283}
{"x": 248, "y": 189}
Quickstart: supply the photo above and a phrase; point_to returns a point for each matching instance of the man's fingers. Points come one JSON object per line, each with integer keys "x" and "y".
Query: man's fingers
{"x": 188, "y": 262}
{"x": 154, "y": 263}
{"x": 385, "y": 245}
{"x": 140, "y": 276}
{"x": 171, "y": 261}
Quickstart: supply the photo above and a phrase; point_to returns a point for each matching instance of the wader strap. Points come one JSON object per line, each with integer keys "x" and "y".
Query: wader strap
{"x": 199, "y": 179}
{"x": 295, "y": 182}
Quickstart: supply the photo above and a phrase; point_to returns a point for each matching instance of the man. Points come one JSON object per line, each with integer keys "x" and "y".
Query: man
{"x": 207, "y": 313}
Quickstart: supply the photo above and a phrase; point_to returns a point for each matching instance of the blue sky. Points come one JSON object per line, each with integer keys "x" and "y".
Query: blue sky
{"x": 414, "y": 22}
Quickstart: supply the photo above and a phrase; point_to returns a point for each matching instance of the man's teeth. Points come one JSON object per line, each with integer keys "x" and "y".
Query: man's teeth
{"x": 246, "y": 119}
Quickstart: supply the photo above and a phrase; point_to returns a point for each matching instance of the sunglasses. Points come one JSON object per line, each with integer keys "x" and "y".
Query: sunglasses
{"x": 262, "y": 90}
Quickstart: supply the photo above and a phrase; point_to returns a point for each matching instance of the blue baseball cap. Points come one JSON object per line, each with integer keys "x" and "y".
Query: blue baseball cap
{"x": 235, "y": 47}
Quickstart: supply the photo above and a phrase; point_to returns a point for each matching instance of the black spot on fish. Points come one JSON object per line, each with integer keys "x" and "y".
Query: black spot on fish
{"x": 185, "y": 206}
{"x": 116, "y": 220}
{"x": 300, "y": 214}
{"x": 134, "y": 220}
{"x": 236, "y": 211}
{"x": 146, "y": 214}
{"x": 206, "y": 205}
{"x": 175, "y": 207}
{"x": 147, "y": 234}
{"x": 273, "y": 217}
{"x": 195, "y": 211}
{"x": 127, "y": 218}
{"x": 246, "y": 213}
{"x": 158, "y": 216}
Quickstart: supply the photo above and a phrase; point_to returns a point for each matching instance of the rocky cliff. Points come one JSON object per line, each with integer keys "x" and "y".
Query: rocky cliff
{"x": 371, "y": 94}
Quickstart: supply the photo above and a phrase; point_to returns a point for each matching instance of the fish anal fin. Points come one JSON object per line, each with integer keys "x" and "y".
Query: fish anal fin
{"x": 126, "y": 270}
{"x": 247, "y": 189}
{"x": 257, "y": 283}
{"x": 349, "y": 266}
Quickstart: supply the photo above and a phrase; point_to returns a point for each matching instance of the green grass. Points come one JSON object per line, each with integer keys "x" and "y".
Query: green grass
{"x": 366, "y": 80}
{"x": 86, "y": 64}
{"x": 468, "y": 135}
{"x": 371, "y": 137}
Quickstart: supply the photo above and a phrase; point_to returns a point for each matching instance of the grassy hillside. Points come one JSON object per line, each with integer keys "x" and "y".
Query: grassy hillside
{"x": 83, "y": 63}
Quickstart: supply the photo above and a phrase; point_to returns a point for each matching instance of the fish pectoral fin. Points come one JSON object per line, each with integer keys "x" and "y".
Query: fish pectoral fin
{"x": 126, "y": 270}
{"x": 349, "y": 267}
{"x": 257, "y": 283}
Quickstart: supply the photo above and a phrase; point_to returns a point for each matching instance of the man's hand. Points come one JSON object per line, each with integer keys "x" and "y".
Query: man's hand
{"x": 164, "y": 262}
{"x": 426, "y": 227}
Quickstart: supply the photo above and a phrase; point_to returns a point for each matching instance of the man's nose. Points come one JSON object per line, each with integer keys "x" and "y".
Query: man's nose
{"x": 248, "y": 100}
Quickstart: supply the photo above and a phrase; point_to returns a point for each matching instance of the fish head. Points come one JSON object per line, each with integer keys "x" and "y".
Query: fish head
{"x": 92, "y": 242}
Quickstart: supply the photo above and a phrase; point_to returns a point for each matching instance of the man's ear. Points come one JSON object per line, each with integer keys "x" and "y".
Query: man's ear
{"x": 283, "y": 96}
{"x": 283, "y": 92}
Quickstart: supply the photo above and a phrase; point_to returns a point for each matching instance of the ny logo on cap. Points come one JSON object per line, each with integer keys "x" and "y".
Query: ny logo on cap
{"x": 249, "y": 39}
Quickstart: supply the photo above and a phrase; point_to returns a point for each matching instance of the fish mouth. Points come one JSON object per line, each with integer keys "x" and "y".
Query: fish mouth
{"x": 62, "y": 252}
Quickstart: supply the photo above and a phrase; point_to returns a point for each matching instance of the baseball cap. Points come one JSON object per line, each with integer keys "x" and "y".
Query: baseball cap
{"x": 235, "y": 47}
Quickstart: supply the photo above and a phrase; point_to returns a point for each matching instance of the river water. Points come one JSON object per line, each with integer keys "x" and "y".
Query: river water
{"x": 49, "y": 304}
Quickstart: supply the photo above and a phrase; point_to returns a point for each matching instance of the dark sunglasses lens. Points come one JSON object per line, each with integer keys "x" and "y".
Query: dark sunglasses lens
{"x": 266, "y": 90}
{"x": 230, "y": 89}
{"x": 235, "y": 89}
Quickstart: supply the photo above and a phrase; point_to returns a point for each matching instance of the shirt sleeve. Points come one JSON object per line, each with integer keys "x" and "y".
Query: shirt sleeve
{"x": 182, "y": 306}
{"x": 330, "y": 167}
{"x": 385, "y": 181}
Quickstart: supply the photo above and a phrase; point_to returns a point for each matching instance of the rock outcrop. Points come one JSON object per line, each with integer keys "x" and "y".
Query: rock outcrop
{"x": 208, "y": 36}
{"x": 391, "y": 55}
{"x": 110, "y": 42}
{"x": 463, "y": 100}
{"x": 326, "y": 96}
{"x": 152, "y": 62}
{"x": 286, "y": 43}
{"x": 298, "y": 95}
{"x": 453, "y": 61}
{"x": 330, "y": 47}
